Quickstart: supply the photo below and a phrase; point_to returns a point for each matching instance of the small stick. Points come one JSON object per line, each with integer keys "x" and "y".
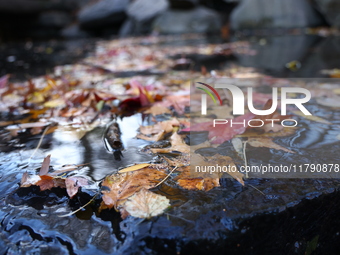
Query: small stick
{"x": 257, "y": 189}
{"x": 245, "y": 157}
{"x": 82, "y": 207}
{"x": 190, "y": 221}
{"x": 39, "y": 144}
{"x": 166, "y": 177}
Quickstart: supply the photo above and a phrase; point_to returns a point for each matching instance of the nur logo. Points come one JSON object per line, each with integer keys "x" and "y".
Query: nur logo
{"x": 204, "y": 97}
{"x": 239, "y": 98}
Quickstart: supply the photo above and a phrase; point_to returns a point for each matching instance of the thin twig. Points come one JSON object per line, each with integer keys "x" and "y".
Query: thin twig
{"x": 40, "y": 141}
{"x": 245, "y": 157}
{"x": 190, "y": 221}
{"x": 257, "y": 189}
{"x": 166, "y": 177}
{"x": 80, "y": 208}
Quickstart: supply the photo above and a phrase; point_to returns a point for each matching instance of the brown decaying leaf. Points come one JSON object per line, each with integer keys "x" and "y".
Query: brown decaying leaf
{"x": 73, "y": 183}
{"x": 177, "y": 144}
{"x": 118, "y": 187}
{"x": 227, "y": 161}
{"x": 48, "y": 182}
{"x": 266, "y": 142}
{"x": 154, "y": 138}
{"x": 185, "y": 181}
{"x": 179, "y": 161}
{"x": 45, "y": 165}
{"x": 45, "y": 181}
{"x": 166, "y": 126}
{"x": 146, "y": 204}
{"x": 157, "y": 110}
{"x": 157, "y": 131}
{"x": 220, "y": 160}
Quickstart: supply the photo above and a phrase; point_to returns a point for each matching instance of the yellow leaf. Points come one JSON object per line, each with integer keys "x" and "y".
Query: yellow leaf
{"x": 133, "y": 168}
{"x": 55, "y": 103}
{"x": 36, "y": 98}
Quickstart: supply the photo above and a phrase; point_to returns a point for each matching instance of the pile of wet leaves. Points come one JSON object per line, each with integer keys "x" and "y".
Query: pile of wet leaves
{"x": 95, "y": 162}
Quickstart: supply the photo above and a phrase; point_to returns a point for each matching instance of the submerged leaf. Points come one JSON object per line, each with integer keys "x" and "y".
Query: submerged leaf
{"x": 267, "y": 142}
{"x": 312, "y": 118}
{"x": 146, "y": 204}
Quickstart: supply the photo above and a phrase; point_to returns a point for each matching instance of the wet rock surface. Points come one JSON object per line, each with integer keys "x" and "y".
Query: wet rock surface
{"x": 276, "y": 13}
{"x": 266, "y": 215}
{"x": 102, "y": 13}
{"x": 197, "y": 20}
{"x": 330, "y": 9}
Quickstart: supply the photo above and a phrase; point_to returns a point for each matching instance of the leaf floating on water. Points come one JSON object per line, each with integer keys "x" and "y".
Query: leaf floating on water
{"x": 186, "y": 181}
{"x": 146, "y": 204}
{"x": 117, "y": 188}
{"x": 73, "y": 184}
{"x": 312, "y": 118}
{"x": 205, "y": 184}
{"x": 134, "y": 168}
{"x": 267, "y": 142}
{"x": 29, "y": 180}
{"x": 45, "y": 165}
{"x": 177, "y": 144}
{"x": 49, "y": 182}
{"x": 154, "y": 138}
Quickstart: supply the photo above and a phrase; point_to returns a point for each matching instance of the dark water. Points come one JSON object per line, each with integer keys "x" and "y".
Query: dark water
{"x": 288, "y": 216}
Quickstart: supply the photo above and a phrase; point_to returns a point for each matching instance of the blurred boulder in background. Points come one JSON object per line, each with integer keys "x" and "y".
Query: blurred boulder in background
{"x": 103, "y": 14}
{"x": 35, "y": 6}
{"x": 74, "y": 31}
{"x": 183, "y": 4}
{"x": 197, "y": 20}
{"x": 330, "y": 9}
{"x": 141, "y": 14}
{"x": 274, "y": 52}
{"x": 83, "y": 18}
{"x": 56, "y": 19}
{"x": 252, "y": 14}
{"x": 36, "y": 18}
